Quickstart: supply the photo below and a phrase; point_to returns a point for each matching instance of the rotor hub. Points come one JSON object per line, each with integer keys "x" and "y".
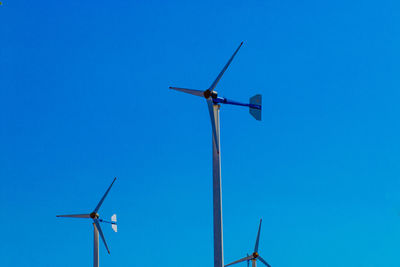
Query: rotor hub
{"x": 94, "y": 215}
{"x": 208, "y": 93}
{"x": 255, "y": 255}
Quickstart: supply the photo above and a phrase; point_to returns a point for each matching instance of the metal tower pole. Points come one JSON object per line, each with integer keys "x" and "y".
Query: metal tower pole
{"x": 95, "y": 246}
{"x": 253, "y": 263}
{"x": 217, "y": 196}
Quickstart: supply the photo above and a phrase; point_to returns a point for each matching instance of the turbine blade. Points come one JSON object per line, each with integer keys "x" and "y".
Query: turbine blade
{"x": 96, "y": 222}
{"x": 263, "y": 261}
{"x": 102, "y": 199}
{"x": 213, "y": 122}
{"x": 241, "y": 260}
{"x": 248, "y": 261}
{"x": 75, "y": 216}
{"x": 258, "y": 237}
{"x": 188, "y": 91}
{"x": 214, "y": 84}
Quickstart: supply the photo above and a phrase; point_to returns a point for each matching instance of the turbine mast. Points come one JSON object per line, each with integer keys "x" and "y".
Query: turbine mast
{"x": 217, "y": 193}
{"x": 95, "y": 246}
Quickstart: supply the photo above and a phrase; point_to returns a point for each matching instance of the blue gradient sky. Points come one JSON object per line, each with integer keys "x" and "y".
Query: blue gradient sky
{"x": 84, "y": 97}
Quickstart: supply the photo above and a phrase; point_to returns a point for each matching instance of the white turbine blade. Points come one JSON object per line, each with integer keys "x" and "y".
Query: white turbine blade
{"x": 263, "y": 261}
{"x": 114, "y": 218}
{"x": 102, "y": 199}
{"x": 214, "y": 84}
{"x": 101, "y": 234}
{"x": 258, "y": 237}
{"x": 241, "y": 260}
{"x": 188, "y": 91}
{"x": 75, "y": 216}
{"x": 213, "y": 122}
{"x": 114, "y": 227}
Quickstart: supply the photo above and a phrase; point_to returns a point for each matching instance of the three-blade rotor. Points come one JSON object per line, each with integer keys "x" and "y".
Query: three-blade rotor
{"x": 255, "y": 256}
{"x": 213, "y": 99}
{"x": 95, "y": 216}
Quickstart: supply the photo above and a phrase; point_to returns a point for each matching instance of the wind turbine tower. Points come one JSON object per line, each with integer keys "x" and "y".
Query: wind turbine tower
{"x": 214, "y": 103}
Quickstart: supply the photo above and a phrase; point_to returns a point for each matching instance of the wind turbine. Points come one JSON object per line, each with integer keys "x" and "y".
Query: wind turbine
{"x": 253, "y": 257}
{"x": 96, "y": 225}
{"x": 213, "y": 102}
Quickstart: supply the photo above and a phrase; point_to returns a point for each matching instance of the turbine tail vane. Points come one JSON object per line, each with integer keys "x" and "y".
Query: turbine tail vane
{"x": 102, "y": 199}
{"x": 255, "y": 106}
{"x": 214, "y": 84}
{"x": 114, "y": 222}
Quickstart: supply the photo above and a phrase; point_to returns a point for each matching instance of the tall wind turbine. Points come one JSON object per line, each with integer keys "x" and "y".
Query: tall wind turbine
{"x": 213, "y": 102}
{"x": 254, "y": 256}
{"x": 96, "y": 225}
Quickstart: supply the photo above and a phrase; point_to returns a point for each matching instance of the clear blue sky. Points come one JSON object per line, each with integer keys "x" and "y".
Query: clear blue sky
{"x": 84, "y": 97}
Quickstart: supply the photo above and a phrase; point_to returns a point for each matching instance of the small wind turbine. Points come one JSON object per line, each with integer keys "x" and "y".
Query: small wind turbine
{"x": 213, "y": 102}
{"x": 96, "y": 225}
{"x": 253, "y": 257}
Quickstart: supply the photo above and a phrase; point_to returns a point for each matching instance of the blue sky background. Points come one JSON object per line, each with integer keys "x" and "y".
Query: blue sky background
{"x": 84, "y": 97}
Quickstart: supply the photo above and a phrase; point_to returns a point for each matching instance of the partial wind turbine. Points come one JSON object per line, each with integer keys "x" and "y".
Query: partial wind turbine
{"x": 254, "y": 256}
{"x": 96, "y": 225}
{"x": 213, "y": 103}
